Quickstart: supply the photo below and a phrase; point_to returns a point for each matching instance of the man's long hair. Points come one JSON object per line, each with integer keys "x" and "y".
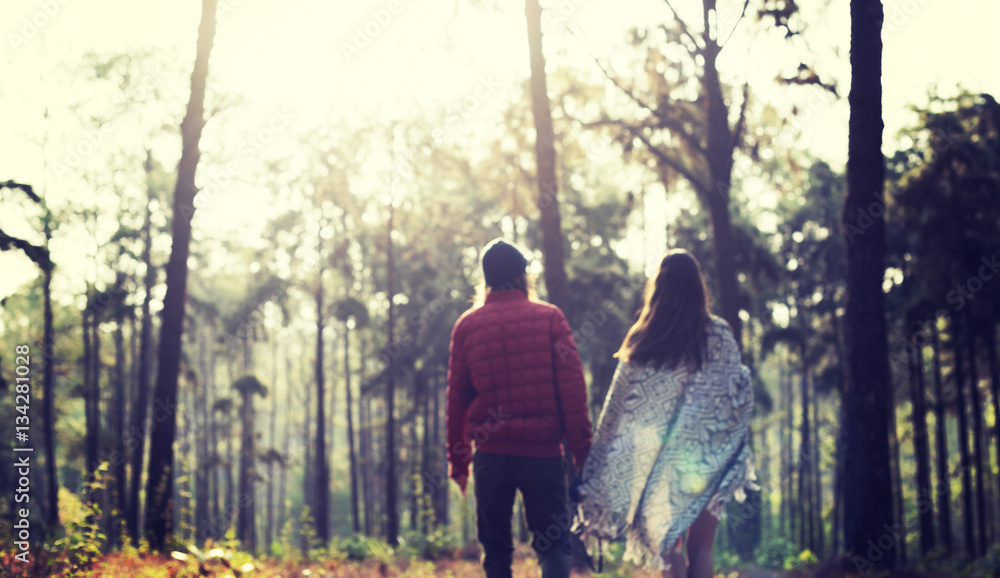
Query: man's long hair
{"x": 673, "y": 321}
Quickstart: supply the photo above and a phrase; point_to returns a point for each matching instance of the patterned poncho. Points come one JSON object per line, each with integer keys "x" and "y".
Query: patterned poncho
{"x": 668, "y": 445}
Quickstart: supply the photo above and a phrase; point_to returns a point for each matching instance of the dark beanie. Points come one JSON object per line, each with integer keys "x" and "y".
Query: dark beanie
{"x": 502, "y": 262}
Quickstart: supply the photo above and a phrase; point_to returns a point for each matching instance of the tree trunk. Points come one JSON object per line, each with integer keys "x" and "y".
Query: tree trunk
{"x": 349, "y": 410}
{"x": 440, "y": 465}
{"x": 817, "y": 477}
{"x": 159, "y": 484}
{"x": 140, "y": 405}
{"x": 322, "y": 491}
{"x": 203, "y": 416}
{"x": 921, "y": 448}
{"x": 790, "y": 463}
{"x": 719, "y": 141}
{"x": 117, "y": 461}
{"x": 963, "y": 443}
{"x": 978, "y": 447}
{"x": 556, "y": 284}
{"x": 392, "y": 511}
{"x": 991, "y": 356}
{"x": 307, "y": 441}
{"x": 899, "y": 507}
{"x": 48, "y": 394}
{"x": 90, "y": 436}
{"x": 427, "y": 461}
{"x": 941, "y": 443}
{"x": 269, "y": 530}
{"x": 867, "y": 385}
{"x": 246, "y": 514}
{"x": 805, "y": 463}
{"x": 364, "y": 413}
{"x": 282, "y": 510}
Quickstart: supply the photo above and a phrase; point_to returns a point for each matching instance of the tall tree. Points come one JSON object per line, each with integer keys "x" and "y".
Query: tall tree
{"x": 867, "y": 386}
{"x": 941, "y": 446}
{"x": 140, "y": 405}
{"x": 391, "y": 483}
{"x": 40, "y": 257}
{"x": 921, "y": 447}
{"x": 556, "y": 284}
{"x": 246, "y": 526}
{"x": 159, "y": 483}
{"x": 321, "y": 492}
{"x": 352, "y": 313}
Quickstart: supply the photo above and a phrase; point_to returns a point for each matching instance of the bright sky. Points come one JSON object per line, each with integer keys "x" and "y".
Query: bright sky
{"x": 288, "y": 59}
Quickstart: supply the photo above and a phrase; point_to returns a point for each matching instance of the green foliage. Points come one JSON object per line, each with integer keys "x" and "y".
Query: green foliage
{"x": 804, "y": 558}
{"x": 774, "y": 551}
{"x": 356, "y": 548}
{"x": 83, "y": 543}
{"x": 307, "y": 533}
{"x": 438, "y": 544}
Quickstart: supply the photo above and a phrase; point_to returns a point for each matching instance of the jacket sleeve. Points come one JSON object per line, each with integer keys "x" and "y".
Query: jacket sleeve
{"x": 571, "y": 388}
{"x": 460, "y": 396}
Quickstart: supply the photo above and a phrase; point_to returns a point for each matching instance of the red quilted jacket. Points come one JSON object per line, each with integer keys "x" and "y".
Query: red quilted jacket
{"x": 515, "y": 383}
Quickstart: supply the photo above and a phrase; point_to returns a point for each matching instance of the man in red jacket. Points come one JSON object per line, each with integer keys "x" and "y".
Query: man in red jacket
{"x": 516, "y": 389}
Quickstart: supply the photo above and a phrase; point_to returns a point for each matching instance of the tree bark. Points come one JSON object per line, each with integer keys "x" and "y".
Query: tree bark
{"x": 867, "y": 385}
{"x": 246, "y": 515}
{"x": 140, "y": 405}
{"x": 978, "y": 446}
{"x": 941, "y": 445}
{"x": 921, "y": 448}
{"x": 994, "y": 367}
{"x": 117, "y": 461}
{"x": 556, "y": 284}
{"x": 159, "y": 484}
{"x": 805, "y": 463}
{"x": 963, "y": 443}
{"x": 349, "y": 410}
{"x": 321, "y": 506}
{"x": 899, "y": 508}
{"x": 392, "y": 511}
{"x": 48, "y": 393}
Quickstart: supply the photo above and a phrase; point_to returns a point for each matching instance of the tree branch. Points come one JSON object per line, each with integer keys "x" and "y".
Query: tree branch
{"x": 663, "y": 157}
{"x": 28, "y": 190}
{"x": 741, "y": 122}
{"x": 684, "y": 27}
{"x": 664, "y": 120}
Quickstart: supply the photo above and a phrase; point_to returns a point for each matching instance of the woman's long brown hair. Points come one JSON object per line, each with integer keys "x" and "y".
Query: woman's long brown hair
{"x": 674, "y": 317}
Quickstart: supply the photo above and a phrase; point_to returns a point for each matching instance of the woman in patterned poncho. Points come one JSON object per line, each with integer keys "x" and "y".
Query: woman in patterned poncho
{"x": 671, "y": 445}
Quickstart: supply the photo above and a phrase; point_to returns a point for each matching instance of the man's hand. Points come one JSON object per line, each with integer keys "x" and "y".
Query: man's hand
{"x": 462, "y": 481}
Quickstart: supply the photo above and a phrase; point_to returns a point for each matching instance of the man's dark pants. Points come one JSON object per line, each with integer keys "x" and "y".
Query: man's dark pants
{"x": 542, "y": 482}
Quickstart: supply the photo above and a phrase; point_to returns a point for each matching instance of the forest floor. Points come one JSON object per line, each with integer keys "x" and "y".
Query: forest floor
{"x": 116, "y": 565}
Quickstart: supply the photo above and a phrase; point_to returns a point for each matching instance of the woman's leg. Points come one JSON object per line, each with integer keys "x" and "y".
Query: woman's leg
{"x": 675, "y": 561}
{"x": 699, "y": 545}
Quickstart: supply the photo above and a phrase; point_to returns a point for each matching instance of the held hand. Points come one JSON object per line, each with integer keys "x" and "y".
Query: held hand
{"x": 575, "y": 495}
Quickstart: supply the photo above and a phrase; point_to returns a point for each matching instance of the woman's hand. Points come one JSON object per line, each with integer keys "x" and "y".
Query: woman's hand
{"x": 575, "y": 495}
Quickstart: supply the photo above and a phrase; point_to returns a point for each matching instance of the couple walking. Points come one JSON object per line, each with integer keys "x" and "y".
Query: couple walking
{"x": 671, "y": 444}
